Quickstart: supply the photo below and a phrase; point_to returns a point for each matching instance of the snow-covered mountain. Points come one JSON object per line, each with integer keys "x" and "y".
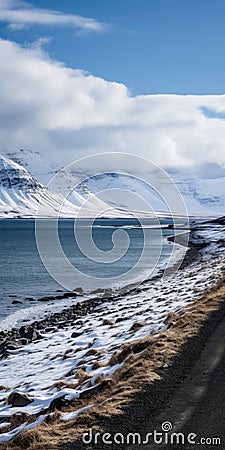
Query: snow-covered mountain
{"x": 202, "y": 197}
{"x": 22, "y": 193}
{"x": 124, "y": 192}
{"x": 39, "y": 167}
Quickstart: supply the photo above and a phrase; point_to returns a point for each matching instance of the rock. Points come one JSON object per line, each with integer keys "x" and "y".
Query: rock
{"x": 136, "y": 326}
{"x": 8, "y": 345}
{"x": 58, "y": 403}
{"x": 23, "y": 341}
{"x": 69, "y": 294}
{"x": 50, "y": 329}
{"x": 106, "y": 296}
{"x": 4, "y": 354}
{"x": 79, "y": 322}
{"x": 18, "y": 399}
{"x": 22, "y": 331}
{"x": 98, "y": 291}
{"x": 139, "y": 347}
{"x": 75, "y": 334}
{"x": 30, "y": 334}
{"x": 39, "y": 336}
{"x": 16, "y": 302}
{"x": 107, "y": 322}
{"x": 120, "y": 319}
{"x": 12, "y": 345}
{"x": 46, "y": 299}
{"x": 78, "y": 290}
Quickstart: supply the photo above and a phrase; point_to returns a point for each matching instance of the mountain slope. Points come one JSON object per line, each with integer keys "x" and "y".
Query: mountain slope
{"x": 44, "y": 171}
{"x": 41, "y": 169}
{"x": 202, "y": 197}
{"x": 21, "y": 195}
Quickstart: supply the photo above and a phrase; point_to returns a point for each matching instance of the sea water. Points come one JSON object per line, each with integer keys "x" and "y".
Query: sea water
{"x": 24, "y": 279}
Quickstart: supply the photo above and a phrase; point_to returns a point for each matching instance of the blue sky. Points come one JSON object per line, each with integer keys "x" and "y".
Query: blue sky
{"x": 153, "y": 46}
{"x": 79, "y": 77}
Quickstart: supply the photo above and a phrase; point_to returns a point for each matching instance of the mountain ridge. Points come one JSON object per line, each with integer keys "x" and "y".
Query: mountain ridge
{"x": 27, "y": 184}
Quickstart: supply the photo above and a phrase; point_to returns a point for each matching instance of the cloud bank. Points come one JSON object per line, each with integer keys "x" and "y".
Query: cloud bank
{"x": 66, "y": 114}
{"x": 19, "y": 14}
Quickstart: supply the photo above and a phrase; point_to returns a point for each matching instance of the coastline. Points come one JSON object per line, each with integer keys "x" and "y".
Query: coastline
{"x": 181, "y": 393}
{"x": 148, "y": 359}
{"x": 68, "y": 314}
{"x": 31, "y": 304}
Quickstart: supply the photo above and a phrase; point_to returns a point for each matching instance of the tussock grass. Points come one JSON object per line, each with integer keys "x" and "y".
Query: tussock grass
{"x": 141, "y": 359}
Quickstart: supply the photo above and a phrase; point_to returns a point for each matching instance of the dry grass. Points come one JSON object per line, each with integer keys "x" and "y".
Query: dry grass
{"x": 141, "y": 359}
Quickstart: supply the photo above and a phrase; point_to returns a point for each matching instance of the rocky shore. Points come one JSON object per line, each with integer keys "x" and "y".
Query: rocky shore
{"x": 101, "y": 353}
{"x": 16, "y": 337}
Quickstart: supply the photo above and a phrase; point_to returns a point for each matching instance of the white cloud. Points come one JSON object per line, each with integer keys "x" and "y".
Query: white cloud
{"x": 66, "y": 114}
{"x": 19, "y": 14}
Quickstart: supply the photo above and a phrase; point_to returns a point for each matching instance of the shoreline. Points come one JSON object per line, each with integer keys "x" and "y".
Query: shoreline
{"x": 146, "y": 361}
{"x": 154, "y": 399}
{"x": 68, "y": 314}
{"x": 54, "y": 304}
{"x": 181, "y": 393}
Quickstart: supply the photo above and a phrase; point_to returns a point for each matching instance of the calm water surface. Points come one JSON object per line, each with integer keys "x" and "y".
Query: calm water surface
{"x": 23, "y": 277}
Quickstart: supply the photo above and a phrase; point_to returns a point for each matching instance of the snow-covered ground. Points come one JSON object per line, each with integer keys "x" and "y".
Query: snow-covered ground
{"x": 88, "y": 345}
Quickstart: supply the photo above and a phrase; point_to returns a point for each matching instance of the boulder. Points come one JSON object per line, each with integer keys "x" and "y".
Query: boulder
{"x": 30, "y": 334}
{"x": 78, "y": 290}
{"x": 18, "y": 399}
{"x": 75, "y": 334}
{"x": 58, "y": 403}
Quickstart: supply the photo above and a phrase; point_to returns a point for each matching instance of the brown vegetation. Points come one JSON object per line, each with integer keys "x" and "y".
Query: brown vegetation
{"x": 141, "y": 361}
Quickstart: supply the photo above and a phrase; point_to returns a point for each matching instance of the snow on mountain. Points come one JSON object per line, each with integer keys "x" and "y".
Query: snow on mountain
{"x": 41, "y": 169}
{"x": 67, "y": 184}
{"x": 44, "y": 171}
{"x": 21, "y": 194}
{"x": 124, "y": 192}
{"x": 202, "y": 197}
